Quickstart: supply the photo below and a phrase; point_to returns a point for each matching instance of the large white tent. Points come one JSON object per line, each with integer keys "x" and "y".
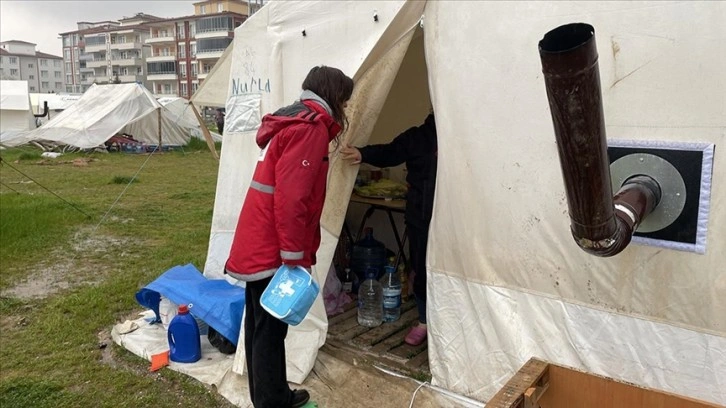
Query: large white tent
{"x": 15, "y": 113}
{"x": 106, "y": 110}
{"x": 506, "y": 281}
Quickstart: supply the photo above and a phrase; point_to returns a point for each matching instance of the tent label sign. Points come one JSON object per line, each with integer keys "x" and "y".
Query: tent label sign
{"x": 253, "y": 85}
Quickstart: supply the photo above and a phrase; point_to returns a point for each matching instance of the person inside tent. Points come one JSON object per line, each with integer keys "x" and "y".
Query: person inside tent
{"x": 280, "y": 220}
{"x": 219, "y": 118}
{"x": 418, "y": 148}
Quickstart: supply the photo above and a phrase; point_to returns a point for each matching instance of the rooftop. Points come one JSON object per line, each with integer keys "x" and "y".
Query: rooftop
{"x": 18, "y": 42}
{"x": 38, "y": 54}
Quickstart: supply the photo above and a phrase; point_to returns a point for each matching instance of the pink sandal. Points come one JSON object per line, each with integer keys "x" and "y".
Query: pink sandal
{"x": 416, "y": 336}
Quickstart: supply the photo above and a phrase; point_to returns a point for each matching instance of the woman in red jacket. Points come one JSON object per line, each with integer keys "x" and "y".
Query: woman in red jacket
{"x": 280, "y": 220}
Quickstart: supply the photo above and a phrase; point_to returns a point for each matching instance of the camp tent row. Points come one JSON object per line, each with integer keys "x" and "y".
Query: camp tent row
{"x": 106, "y": 110}
{"x": 506, "y": 282}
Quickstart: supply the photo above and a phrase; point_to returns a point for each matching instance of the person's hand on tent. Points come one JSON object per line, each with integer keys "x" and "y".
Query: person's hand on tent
{"x": 351, "y": 154}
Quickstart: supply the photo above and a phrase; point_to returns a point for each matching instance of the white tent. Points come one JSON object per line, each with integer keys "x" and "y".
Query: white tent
{"x": 506, "y": 282}
{"x": 56, "y": 103}
{"x": 105, "y": 110}
{"x": 181, "y": 113}
{"x": 15, "y": 113}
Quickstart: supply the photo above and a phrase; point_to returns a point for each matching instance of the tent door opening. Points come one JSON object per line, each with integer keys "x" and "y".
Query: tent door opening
{"x": 407, "y": 105}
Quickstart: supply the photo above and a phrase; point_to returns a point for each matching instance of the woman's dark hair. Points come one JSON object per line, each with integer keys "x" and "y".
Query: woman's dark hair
{"x": 333, "y": 86}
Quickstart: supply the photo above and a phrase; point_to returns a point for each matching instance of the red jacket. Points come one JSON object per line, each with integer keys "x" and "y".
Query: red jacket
{"x": 280, "y": 218}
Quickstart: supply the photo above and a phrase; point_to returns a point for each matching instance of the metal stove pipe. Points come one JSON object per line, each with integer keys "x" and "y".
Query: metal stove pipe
{"x": 601, "y": 225}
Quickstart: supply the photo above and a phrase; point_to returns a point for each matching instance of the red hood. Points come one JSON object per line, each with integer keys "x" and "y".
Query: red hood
{"x": 272, "y": 124}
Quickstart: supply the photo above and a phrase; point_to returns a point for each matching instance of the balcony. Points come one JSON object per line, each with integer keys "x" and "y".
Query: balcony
{"x": 213, "y": 34}
{"x": 209, "y": 54}
{"x": 162, "y": 76}
{"x": 88, "y": 80}
{"x": 86, "y": 57}
{"x": 161, "y": 57}
{"x": 87, "y": 69}
{"x": 95, "y": 47}
{"x": 161, "y": 38}
{"x": 125, "y": 62}
{"x": 125, "y": 46}
{"x": 96, "y": 63}
{"x": 166, "y": 92}
{"x": 129, "y": 78}
{"x": 202, "y": 75}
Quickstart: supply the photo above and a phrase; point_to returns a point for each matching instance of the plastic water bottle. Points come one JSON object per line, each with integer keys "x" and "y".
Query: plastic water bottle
{"x": 391, "y": 285}
{"x": 370, "y": 300}
{"x": 184, "y": 343}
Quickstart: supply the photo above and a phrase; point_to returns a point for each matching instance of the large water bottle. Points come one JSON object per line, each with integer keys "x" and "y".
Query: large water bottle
{"x": 184, "y": 343}
{"x": 370, "y": 300}
{"x": 391, "y": 285}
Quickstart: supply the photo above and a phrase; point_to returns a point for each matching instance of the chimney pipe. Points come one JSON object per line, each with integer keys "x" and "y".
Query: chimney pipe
{"x": 601, "y": 224}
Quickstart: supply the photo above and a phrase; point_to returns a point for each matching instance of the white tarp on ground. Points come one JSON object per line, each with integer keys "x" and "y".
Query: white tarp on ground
{"x": 102, "y": 112}
{"x": 181, "y": 113}
{"x": 15, "y": 113}
{"x": 506, "y": 280}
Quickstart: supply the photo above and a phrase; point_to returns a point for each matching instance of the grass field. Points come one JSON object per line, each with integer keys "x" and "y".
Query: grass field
{"x": 77, "y": 240}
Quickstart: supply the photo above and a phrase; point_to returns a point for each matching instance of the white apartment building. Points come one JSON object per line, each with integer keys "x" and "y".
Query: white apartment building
{"x": 106, "y": 52}
{"x": 20, "y": 61}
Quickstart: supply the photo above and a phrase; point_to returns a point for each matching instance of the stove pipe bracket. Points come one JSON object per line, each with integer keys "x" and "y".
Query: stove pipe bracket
{"x": 602, "y": 223}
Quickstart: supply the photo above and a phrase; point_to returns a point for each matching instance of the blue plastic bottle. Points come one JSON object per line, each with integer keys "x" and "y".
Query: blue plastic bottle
{"x": 183, "y": 335}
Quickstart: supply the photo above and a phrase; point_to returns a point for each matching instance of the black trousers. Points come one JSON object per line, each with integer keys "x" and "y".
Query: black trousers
{"x": 418, "y": 238}
{"x": 265, "y": 351}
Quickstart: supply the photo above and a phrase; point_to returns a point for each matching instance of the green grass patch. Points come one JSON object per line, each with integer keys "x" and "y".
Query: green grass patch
{"x": 29, "y": 156}
{"x": 49, "y": 353}
{"x": 124, "y": 180}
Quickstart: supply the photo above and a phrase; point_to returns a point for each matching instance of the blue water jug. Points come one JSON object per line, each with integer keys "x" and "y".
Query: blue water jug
{"x": 184, "y": 343}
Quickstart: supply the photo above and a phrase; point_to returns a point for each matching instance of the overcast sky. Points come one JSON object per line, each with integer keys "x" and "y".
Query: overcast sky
{"x": 40, "y": 21}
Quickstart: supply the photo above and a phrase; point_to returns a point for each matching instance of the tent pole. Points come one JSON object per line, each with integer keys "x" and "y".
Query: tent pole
{"x": 159, "y": 117}
{"x": 205, "y": 132}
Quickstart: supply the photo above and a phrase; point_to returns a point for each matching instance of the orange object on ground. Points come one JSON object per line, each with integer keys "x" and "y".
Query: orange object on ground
{"x": 159, "y": 361}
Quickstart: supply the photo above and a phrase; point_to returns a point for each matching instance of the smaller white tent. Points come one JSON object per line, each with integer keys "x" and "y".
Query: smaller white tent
{"x": 15, "y": 113}
{"x": 182, "y": 114}
{"x": 57, "y": 103}
{"x": 104, "y": 111}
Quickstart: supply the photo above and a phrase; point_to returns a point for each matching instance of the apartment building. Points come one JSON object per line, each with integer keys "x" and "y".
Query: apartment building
{"x": 20, "y": 61}
{"x": 184, "y": 49}
{"x": 107, "y": 52}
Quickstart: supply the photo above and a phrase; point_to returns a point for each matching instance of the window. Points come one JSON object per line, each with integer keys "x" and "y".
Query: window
{"x": 192, "y": 29}
{"x": 184, "y": 89}
{"x": 97, "y": 40}
{"x": 56, "y": 63}
{"x": 212, "y": 44}
{"x": 31, "y": 76}
{"x": 155, "y": 68}
{"x": 194, "y": 87}
{"x": 57, "y": 74}
{"x": 13, "y": 71}
{"x": 44, "y": 74}
{"x": 182, "y": 51}
{"x": 139, "y": 71}
{"x": 180, "y": 30}
{"x": 13, "y": 60}
{"x": 43, "y": 63}
{"x": 211, "y": 24}
{"x": 167, "y": 89}
{"x": 220, "y": 7}
{"x": 193, "y": 51}
{"x": 59, "y": 84}
{"x": 30, "y": 65}
{"x": 203, "y": 9}
{"x": 183, "y": 70}
{"x": 69, "y": 79}
{"x": 66, "y": 40}
{"x": 194, "y": 70}
{"x": 68, "y": 67}
{"x": 44, "y": 85}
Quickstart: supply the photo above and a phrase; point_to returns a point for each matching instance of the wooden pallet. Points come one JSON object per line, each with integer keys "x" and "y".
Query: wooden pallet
{"x": 382, "y": 345}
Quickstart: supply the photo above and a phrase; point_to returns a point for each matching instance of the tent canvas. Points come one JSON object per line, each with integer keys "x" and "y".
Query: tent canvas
{"x": 182, "y": 114}
{"x": 56, "y": 103}
{"x": 15, "y": 113}
{"x": 506, "y": 282}
{"x": 105, "y": 110}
